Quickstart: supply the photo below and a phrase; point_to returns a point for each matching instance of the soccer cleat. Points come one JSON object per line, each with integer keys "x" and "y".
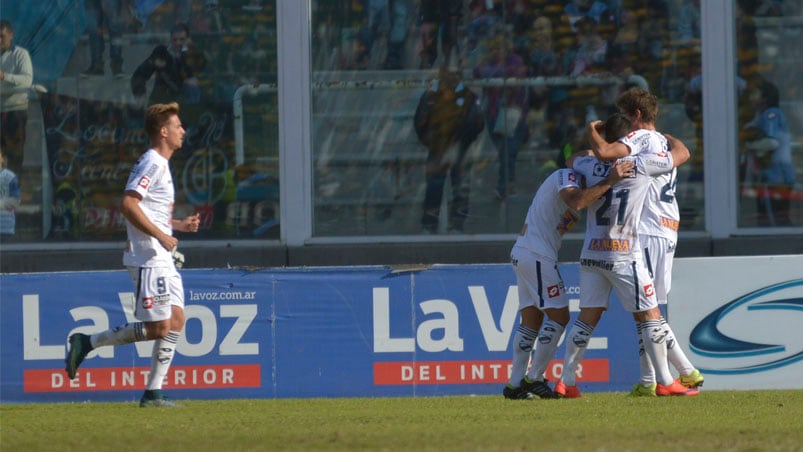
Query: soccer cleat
{"x": 80, "y": 346}
{"x": 675, "y": 389}
{"x": 567, "y": 392}
{"x": 694, "y": 380}
{"x": 156, "y": 399}
{"x": 640, "y": 390}
{"x": 538, "y": 388}
{"x": 519, "y": 393}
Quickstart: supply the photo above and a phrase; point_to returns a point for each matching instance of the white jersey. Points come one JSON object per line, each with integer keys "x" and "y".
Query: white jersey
{"x": 661, "y": 216}
{"x": 151, "y": 178}
{"x": 613, "y": 220}
{"x": 548, "y": 217}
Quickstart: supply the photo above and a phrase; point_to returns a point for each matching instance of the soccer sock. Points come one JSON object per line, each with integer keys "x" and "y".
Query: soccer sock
{"x": 162, "y": 356}
{"x": 130, "y": 332}
{"x": 675, "y": 353}
{"x": 548, "y": 339}
{"x": 654, "y": 336}
{"x": 646, "y": 370}
{"x": 576, "y": 346}
{"x": 523, "y": 343}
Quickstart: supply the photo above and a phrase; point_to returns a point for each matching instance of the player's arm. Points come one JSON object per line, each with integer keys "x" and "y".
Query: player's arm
{"x": 602, "y": 149}
{"x": 579, "y": 198}
{"x": 133, "y": 213}
{"x": 680, "y": 153}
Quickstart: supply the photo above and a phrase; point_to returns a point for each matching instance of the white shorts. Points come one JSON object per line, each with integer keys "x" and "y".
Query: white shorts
{"x": 156, "y": 289}
{"x": 630, "y": 279}
{"x": 539, "y": 282}
{"x": 659, "y": 253}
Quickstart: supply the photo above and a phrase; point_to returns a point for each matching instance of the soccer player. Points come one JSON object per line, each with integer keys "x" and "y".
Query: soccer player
{"x": 554, "y": 211}
{"x": 159, "y": 293}
{"x": 657, "y": 233}
{"x": 612, "y": 256}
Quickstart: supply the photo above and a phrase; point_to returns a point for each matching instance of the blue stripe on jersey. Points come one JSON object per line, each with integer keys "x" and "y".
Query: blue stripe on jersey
{"x": 649, "y": 262}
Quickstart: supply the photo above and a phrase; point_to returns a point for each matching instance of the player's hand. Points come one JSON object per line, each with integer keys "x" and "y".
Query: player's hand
{"x": 168, "y": 242}
{"x": 621, "y": 169}
{"x": 191, "y": 223}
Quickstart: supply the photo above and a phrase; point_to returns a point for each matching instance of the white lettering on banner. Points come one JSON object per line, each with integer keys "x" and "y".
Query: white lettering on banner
{"x": 450, "y": 324}
{"x": 231, "y": 344}
{"x": 383, "y": 343}
{"x": 496, "y": 338}
{"x": 31, "y": 338}
{"x": 245, "y": 315}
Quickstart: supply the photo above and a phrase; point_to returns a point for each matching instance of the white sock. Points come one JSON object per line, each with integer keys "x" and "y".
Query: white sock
{"x": 130, "y": 332}
{"x": 675, "y": 353}
{"x": 548, "y": 339}
{"x": 654, "y": 335}
{"x": 645, "y": 366}
{"x": 162, "y": 356}
{"x": 576, "y": 347}
{"x": 523, "y": 343}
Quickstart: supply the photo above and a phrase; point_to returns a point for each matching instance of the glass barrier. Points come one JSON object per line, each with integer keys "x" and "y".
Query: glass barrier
{"x": 444, "y": 116}
{"x": 72, "y": 135}
{"x": 770, "y": 114}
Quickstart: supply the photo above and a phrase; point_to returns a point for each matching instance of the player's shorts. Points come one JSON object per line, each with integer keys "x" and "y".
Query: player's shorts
{"x": 539, "y": 281}
{"x": 659, "y": 253}
{"x": 630, "y": 280}
{"x": 156, "y": 289}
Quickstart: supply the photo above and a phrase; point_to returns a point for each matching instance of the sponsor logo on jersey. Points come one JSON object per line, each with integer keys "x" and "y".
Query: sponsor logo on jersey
{"x": 147, "y": 303}
{"x": 670, "y": 223}
{"x": 649, "y": 290}
{"x": 617, "y": 245}
{"x": 597, "y": 263}
{"x": 660, "y": 163}
{"x": 567, "y": 222}
{"x": 162, "y": 300}
{"x": 553, "y": 291}
{"x": 144, "y": 181}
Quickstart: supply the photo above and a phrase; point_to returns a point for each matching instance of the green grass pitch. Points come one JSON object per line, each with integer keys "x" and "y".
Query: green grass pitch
{"x": 714, "y": 420}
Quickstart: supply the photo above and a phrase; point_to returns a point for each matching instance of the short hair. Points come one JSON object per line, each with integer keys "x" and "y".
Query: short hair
{"x": 616, "y": 126}
{"x": 637, "y": 99}
{"x": 157, "y": 116}
{"x": 5, "y": 24}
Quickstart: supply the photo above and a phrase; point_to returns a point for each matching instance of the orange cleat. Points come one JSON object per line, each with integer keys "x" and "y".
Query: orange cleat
{"x": 675, "y": 389}
{"x": 567, "y": 392}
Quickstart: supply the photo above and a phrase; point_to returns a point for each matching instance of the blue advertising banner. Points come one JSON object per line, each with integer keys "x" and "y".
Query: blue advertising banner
{"x": 309, "y": 332}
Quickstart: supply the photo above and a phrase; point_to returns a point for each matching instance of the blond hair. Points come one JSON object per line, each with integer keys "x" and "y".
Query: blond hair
{"x": 157, "y": 116}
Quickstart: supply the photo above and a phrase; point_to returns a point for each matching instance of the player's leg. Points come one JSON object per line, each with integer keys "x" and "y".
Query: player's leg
{"x": 595, "y": 291}
{"x": 526, "y": 266}
{"x": 659, "y": 256}
{"x": 636, "y": 291}
{"x": 146, "y": 309}
{"x": 555, "y": 304}
{"x": 165, "y": 346}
